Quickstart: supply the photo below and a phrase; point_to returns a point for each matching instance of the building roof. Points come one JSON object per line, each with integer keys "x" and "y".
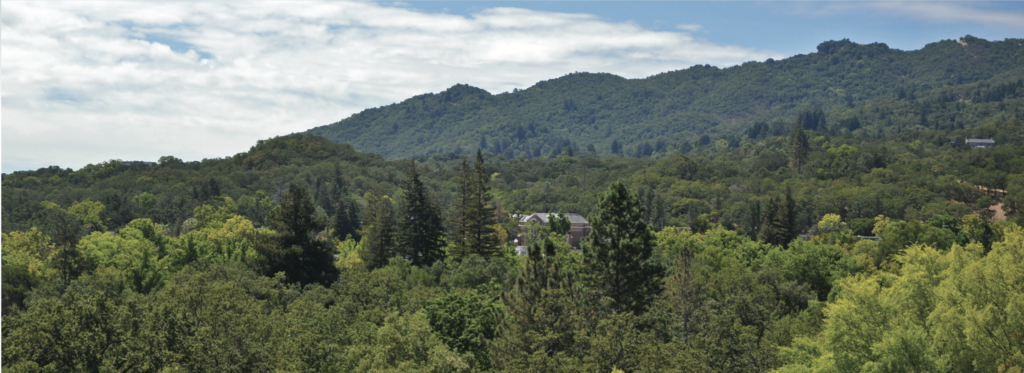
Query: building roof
{"x": 543, "y": 216}
{"x": 980, "y": 141}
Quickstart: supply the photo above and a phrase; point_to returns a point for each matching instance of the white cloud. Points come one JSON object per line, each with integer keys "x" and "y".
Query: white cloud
{"x": 84, "y": 82}
{"x": 688, "y": 27}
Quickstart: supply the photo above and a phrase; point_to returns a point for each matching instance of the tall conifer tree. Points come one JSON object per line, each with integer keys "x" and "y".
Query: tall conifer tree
{"x": 295, "y": 250}
{"x": 797, "y": 149}
{"x": 545, "y": 313}
{"x": 378, "y": 239}
{"x": 779, "y": 224}
{"x": 475, "y": 220}
{"x": 617, "y": 258}
{"x": 482, "y": 238}
{"x": 422, "y": 233}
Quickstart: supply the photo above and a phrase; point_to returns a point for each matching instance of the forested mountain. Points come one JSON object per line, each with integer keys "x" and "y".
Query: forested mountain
{"x": 863, "y": 90}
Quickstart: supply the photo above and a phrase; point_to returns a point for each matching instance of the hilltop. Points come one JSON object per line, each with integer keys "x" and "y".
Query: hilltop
{"x": 864, "y": 90}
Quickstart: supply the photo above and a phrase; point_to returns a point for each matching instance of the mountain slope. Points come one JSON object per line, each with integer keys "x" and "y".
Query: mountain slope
{"x": 885, "y": 89}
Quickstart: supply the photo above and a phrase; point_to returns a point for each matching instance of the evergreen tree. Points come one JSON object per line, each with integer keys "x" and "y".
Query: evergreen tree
{"x": 779, "y": 224}
{"x": 422, "y": 232}
{"x": 345, "y": 211}
{"x": 617, "y": 258}
{"x": 545, "y": 313}
{"x": 475, "y": 218}
{"x": 379, "y": 234}
{"x": 295, "y": 250}
{"x": 798, "y": 149}
{"x": 460, "y": 224}
{"x": 346, "y": 219}
{"x": 483, "y": 239}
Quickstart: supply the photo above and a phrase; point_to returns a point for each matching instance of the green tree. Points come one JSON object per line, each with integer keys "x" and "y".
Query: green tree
{"x": 559, "y": 223}
{"x": 379, "y": 233}
{"x": 474, "y": 215}
{"x": 544, "y": 315}
{"x": 798, "y": 149}
{"x": 466, "y": 322}
{"x": 345, "y": 221}
{"x": 779, "y": 224}
{"x": 618, "y": 254}
{"x": 295, "y": 250}
{"x": 422, "y": 230}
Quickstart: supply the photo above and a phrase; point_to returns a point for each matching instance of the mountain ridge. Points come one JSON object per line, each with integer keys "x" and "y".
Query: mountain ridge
{"x": 684, "y": 109}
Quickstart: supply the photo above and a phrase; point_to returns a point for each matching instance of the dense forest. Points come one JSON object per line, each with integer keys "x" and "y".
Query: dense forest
{"x": 867, "y": 91}
{"x": 807, "y": 239}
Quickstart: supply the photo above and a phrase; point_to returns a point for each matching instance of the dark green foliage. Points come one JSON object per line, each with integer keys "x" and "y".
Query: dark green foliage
{"x": 422, "y": 231}
{"x": 345, "y": 222}
{"x": 380, "y": 233}
{"x": 779, "y": 226}
{"x": 618, "y": 252}
{"x": 559, "y": 223}
{"x": 465, "y": 321}
{"x": 475, "y": 220}
{"x": 17, "y": 282}
{"x": 798, "y": 149}
{"x": 544, "y": 314}
{"x": 294, "y": 249}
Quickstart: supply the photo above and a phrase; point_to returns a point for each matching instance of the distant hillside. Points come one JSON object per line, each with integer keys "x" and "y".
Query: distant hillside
{"x": 861, "y": 90}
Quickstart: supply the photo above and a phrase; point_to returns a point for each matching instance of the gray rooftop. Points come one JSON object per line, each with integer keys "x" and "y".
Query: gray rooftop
{"x": 980, "y": 141}
{"x": 573, "y": 218}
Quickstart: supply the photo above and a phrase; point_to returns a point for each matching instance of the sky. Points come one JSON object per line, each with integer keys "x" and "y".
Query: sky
{"x": 84, "y": 82}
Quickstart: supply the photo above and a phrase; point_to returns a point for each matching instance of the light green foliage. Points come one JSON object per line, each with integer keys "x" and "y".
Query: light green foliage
{"x": 32, "y": 250}
{"x": 207, "y": 216}
{"x": 406, "y": 344}
{"x": 833, "y": 231}
{"x": 229, "y": 242}
{"x": 90, "y": 213}
{"x": 943, "y": 311}
{"x": 348, "y": 254}
{"x": 136, "y": 258}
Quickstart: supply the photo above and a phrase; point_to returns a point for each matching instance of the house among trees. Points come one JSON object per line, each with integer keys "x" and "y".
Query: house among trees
{"x": 579, "y": 227}
{"x": 980, "y": 143}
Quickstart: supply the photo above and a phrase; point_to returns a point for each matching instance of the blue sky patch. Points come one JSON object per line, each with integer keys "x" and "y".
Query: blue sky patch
{"x": 177, "y": 46}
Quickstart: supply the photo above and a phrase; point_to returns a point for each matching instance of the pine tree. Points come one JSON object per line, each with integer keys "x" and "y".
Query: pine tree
{"x": 422, "y": 232}
{"x": 798, "y": 149}
{"x": 346, "y": 219}
{"x": 474, "y": 216}
{"x": 545, "y": 313}
{"x": 378, "y": 239}
{"x": 617, "y": 259}
{"x": 295, "y": 250}
{"x": 779, "y": 224}
{"x": 482, "y": 238}
{"x": 344, "y": 211}
{"x": 461, "y": 216}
